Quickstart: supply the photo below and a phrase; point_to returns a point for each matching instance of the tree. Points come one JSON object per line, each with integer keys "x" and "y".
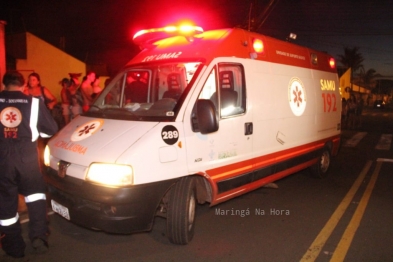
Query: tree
{"x": 351, "y": 59}
{"x": 367, "y": 78}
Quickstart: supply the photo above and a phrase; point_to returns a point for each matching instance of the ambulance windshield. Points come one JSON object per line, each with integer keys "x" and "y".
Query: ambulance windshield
{"x": 150, "y": 91}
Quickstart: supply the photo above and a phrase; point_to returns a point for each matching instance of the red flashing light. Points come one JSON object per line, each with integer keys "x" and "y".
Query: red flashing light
{"x": 257, "y": 44}
{"x": 186, "y": 29}
{"x": 168, "y": 29}
{"x": 332, "y": 62}
{"x": 149, "y": 36}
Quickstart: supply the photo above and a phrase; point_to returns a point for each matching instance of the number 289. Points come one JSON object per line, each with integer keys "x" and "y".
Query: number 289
{"x": 170, "y": 135}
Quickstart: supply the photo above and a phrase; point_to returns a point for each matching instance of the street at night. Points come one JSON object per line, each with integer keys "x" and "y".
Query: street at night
{"x": 227, "y": 130}
{"x": 343, "y": 217}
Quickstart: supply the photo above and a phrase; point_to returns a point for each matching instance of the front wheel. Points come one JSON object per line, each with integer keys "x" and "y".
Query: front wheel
{"x": 321, "y": 167}
{"x": 181, "y": 211}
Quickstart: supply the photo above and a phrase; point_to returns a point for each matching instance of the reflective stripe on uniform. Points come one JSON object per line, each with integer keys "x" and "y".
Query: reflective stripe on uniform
{"x": 8, "y": 222}
{"x": 45, "y": 135}
{"x": 34, "y": 118}
{"x": 35, "y": 197}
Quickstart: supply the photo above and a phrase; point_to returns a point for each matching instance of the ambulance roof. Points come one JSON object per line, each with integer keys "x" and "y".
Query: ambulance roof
{"x": 233, "y": 42}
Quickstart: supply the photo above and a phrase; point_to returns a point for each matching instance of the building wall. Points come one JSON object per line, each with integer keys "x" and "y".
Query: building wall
{"x": 358, "y": 91}
{"x": 51, "y": 63}
{"x": 345, "y": 84}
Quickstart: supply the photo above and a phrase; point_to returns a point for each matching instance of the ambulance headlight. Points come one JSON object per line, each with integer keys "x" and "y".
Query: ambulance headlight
{"x": 110, "y": 174}
{"x": 47, "y": 156}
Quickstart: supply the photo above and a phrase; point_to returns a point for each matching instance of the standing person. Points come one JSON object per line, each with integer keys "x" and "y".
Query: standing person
{"x": 23, "y": 119}
{"x": 344, "y": 113}
{"x": 65, "y": 95}
{"x": 76, "y": 96}
{"x": 87, "y": 90}
{"x": 37, "y": 90}
{"x": 351, "y": 105}
{"x": 359, "y": 111}
{"x": 96, "y": 87}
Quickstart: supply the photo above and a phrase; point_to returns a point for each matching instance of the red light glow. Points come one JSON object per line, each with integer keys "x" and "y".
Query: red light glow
{"x": 190, "y": 29}
{"x": 258, "y": 45}
{"x": 169, "y": 29}
{"x": 332, "y": 62}
{"x": 154, "y": 34}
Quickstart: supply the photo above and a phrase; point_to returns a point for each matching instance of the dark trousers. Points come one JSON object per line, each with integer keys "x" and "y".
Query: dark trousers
{"x": 20, "y": 173}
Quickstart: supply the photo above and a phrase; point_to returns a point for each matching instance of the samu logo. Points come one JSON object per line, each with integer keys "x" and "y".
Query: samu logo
{"x": 11, "y": 117}
{"x": 86, "y": 130}
{"x": 297, "y": 96}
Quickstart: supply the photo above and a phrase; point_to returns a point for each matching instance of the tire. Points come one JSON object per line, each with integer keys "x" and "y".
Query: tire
{"x": 321, "y": 167}
{"x": 181, "y": 211}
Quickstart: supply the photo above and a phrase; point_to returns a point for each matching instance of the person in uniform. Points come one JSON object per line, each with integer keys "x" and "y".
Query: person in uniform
{"x": 23, "y": 119}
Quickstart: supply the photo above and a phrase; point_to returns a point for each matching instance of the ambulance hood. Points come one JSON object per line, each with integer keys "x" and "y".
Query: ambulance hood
{"x": 86, "y": 140}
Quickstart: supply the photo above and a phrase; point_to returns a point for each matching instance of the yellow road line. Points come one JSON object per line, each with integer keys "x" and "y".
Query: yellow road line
{"x": 346, "y": 240}
{"x": 316, "y": 247}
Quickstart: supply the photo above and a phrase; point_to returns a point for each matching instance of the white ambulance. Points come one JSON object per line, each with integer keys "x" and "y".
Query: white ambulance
{"x": 195, "y": 117}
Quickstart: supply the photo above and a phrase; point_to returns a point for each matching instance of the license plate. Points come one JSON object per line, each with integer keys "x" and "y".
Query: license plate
{"x": 60, "y": 209}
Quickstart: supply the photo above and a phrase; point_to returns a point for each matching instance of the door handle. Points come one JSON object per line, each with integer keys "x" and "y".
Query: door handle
{"x": 248, "y": 129}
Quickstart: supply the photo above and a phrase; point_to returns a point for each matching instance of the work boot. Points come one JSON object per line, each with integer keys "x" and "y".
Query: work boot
{"x": 40, "y": 246}
{"x": 13, "y": 245}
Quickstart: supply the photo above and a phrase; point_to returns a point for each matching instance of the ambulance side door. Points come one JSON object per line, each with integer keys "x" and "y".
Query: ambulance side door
{"x": 224, "y": 154}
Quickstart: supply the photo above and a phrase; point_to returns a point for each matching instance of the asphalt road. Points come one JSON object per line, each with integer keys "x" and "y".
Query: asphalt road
{"x": 346, "y": 216}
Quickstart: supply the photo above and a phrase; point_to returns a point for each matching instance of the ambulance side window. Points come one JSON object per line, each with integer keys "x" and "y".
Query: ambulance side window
{"x": 112, "y": 98}
{"x": 210, "y": 87}
{"x": 230, "y": 92}
{"x": 226, "y": 88}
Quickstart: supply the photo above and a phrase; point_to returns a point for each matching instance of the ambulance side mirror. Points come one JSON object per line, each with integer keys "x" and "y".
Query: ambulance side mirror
{"x": 206, "y": 116}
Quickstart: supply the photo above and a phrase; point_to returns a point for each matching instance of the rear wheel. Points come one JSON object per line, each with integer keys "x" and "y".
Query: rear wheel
{"x": 321, "y": 167}
{"x": 181, "y": 211}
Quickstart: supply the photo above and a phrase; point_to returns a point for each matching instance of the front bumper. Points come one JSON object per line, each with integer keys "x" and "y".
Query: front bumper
{"x": 115, "y": 210}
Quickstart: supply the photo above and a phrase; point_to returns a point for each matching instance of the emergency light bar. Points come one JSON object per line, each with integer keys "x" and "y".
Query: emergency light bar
{"x": 149, "y": 36}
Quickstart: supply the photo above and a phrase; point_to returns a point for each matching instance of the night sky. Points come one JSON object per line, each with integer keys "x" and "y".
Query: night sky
{"x": 100, "y": 31}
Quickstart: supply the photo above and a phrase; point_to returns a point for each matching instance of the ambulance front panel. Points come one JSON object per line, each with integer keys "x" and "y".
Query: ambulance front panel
{"x": 118, "y": 160}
